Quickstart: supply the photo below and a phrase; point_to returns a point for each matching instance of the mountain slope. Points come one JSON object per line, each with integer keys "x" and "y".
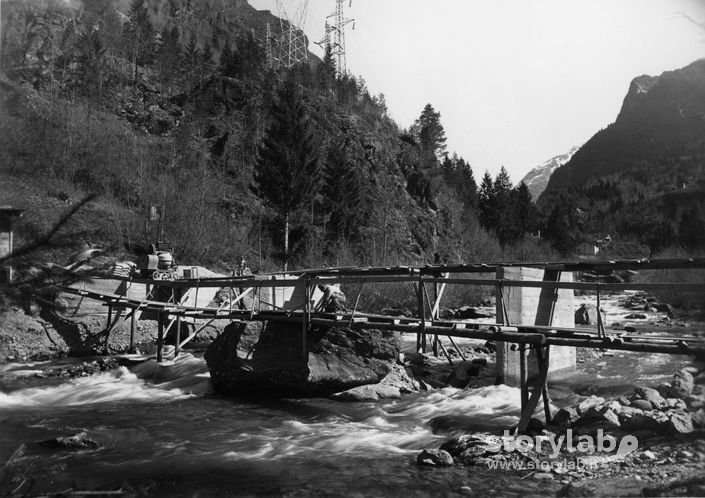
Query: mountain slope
{"x": 642, "y": 179}
{"x": 537, "y": 179}
{"x": 660, "y": 116}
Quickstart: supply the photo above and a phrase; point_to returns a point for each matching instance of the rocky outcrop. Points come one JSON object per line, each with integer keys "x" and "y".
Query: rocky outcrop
{"x": 395, "y": 383}
{"x": 338, "y": 358}
{"x": 26, "y": 337}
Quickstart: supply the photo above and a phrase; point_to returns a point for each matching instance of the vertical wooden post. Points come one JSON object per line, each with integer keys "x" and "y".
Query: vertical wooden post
{"x": 523, "y": 376}
{"x": 307, "y": 319}
{"x": 528, "y": 409}
{"x": 132, "y": 331}
{"x": 434, "y": 316}
{"x": 422, "y": 316}
{"x": 160, "y": 336}
{"x": 600, "y": 325}
{"x": 110, "y": 316}
{"x": 230, "y": 302}
{"x": 544, "y": 389}
{"x": 178, "y": 336}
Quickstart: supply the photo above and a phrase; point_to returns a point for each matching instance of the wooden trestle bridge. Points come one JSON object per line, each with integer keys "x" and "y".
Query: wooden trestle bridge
{"x": 293, "y": 297}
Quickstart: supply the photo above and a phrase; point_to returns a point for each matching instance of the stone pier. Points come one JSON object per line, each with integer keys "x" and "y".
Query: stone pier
{"x": 533, "y": 306}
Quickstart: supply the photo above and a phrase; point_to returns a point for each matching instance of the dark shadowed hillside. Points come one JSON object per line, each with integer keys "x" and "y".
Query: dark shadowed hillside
{"x": 642, "y": 179}
{"x": 182, "y": 121}
{"x": 661, "y": 116}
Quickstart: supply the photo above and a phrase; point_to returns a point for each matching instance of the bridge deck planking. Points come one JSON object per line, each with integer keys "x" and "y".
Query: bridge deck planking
{"x": 577, "y": 337}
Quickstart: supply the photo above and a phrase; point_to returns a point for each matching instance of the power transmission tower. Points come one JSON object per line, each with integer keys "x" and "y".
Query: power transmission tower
{"x": 325, "y": 42}
{"x": 293, "y": 44}
{"x": 338, "y": 29}
{"x": 268, "y": 45}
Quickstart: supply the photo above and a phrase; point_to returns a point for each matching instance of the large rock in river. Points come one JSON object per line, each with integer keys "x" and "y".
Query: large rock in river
{"x": 338, "y": 358}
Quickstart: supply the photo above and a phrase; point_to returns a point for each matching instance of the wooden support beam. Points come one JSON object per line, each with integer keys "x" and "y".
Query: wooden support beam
{"x": 445, "y": 353}
{"x": 178, "y": 336}
{"x": 544, "y": 389}
{"x": 600, "y": 325}
{"x": 160, "y": 337}
{"x": 456, "y": 348}
{"x": 421, "y": 298}
{"x": 132, "y": 334}
{"x": 523, "y": 376}
{"x": 528, "y": 410}
{"x": 438, "y": 296}
{"x": 357, "y": 300}
{"x": 306, "y": 322}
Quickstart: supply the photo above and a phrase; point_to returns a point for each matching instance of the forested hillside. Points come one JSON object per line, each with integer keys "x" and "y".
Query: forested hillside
{"x": 642, "y": 179}
{"x": 172, "y": 113}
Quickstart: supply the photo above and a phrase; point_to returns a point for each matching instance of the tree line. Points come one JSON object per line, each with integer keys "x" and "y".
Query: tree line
{"x": 174, "y": 109}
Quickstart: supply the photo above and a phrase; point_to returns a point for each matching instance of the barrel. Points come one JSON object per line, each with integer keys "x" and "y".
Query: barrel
{"x": 166, "y": 260}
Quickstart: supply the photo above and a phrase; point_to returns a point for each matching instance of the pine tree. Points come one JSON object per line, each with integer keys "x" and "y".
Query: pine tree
{"x": 287, "y": 172}
{"x": 487, "y": 203}
{"x": 191, "y": 56}
{"x": 205, "y": 61}
{"x": 344, "y": 200}
{"x": 325, "y": 72}
{"x": 430, "y": 135}
{"x": 91, "y": 60}
{"x": 139, "y": 35}
{"x": 502, "y": 183}
{"x": 168, "y": 58}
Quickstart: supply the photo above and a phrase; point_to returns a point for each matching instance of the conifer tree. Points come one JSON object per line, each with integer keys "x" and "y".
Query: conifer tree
{"x": 487, "y": 203}
{"x": 205, "y": 61}
{"x": 430, "y": 135}
{"x": 190, "y": 56}
{"x": 287, "y": 172}
{"x": 168, "y": 58}
{"x": 325, "y": 72}
{"x": 91, "y": 59}
{"x": 343, "y": 194}
{"x": 138, "y": 34}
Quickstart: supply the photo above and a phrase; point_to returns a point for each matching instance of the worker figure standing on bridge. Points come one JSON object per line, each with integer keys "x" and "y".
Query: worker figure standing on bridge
{"x": 333, "y": 299}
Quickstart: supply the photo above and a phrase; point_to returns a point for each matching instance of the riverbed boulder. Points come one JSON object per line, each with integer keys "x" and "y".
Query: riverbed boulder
{"x": 651, "y": 395}
{"x": 588, "y": 403}
{"x": 565, "y": 417}
{"x": 79, "y": 441}
{"x": 586, "y": 314}
{"x": 462, "y": 373}
{"x": 680, "y": 423}
{"x": 434, "y": 458}
{"x": 639, "y": 420}
{"x": 338, "y": 358}
{"x": 395, "y": 383}
{"x": 682, "y": 384}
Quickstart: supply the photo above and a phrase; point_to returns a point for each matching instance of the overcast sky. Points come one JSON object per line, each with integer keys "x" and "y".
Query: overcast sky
{"x": 516, "y": 81}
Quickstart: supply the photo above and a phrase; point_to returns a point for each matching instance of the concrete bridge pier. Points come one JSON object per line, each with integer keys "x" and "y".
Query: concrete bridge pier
{"x": 532, "y": 306}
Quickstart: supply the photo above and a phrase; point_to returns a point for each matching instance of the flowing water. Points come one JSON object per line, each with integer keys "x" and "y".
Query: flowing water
{"x": 161, "y": 431}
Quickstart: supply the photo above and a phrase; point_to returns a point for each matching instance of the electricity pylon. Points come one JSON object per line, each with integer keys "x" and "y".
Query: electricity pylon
{"x": 293, "y": 44}
{"x": 338, "y": 43}
{"x": 268, "y": 46}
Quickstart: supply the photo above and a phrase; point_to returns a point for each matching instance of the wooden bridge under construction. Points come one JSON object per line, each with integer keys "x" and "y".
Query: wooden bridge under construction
{"x": 530, "y": 301}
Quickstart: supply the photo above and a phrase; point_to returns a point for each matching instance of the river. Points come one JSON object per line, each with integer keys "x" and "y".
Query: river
{"x": 161, "y": 431}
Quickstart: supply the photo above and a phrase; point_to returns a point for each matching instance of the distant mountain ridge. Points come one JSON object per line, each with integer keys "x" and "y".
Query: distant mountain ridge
{"x": 641, "y": 179}
{"x": 660, "y": 115}
{"x": 537, "y": 179}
